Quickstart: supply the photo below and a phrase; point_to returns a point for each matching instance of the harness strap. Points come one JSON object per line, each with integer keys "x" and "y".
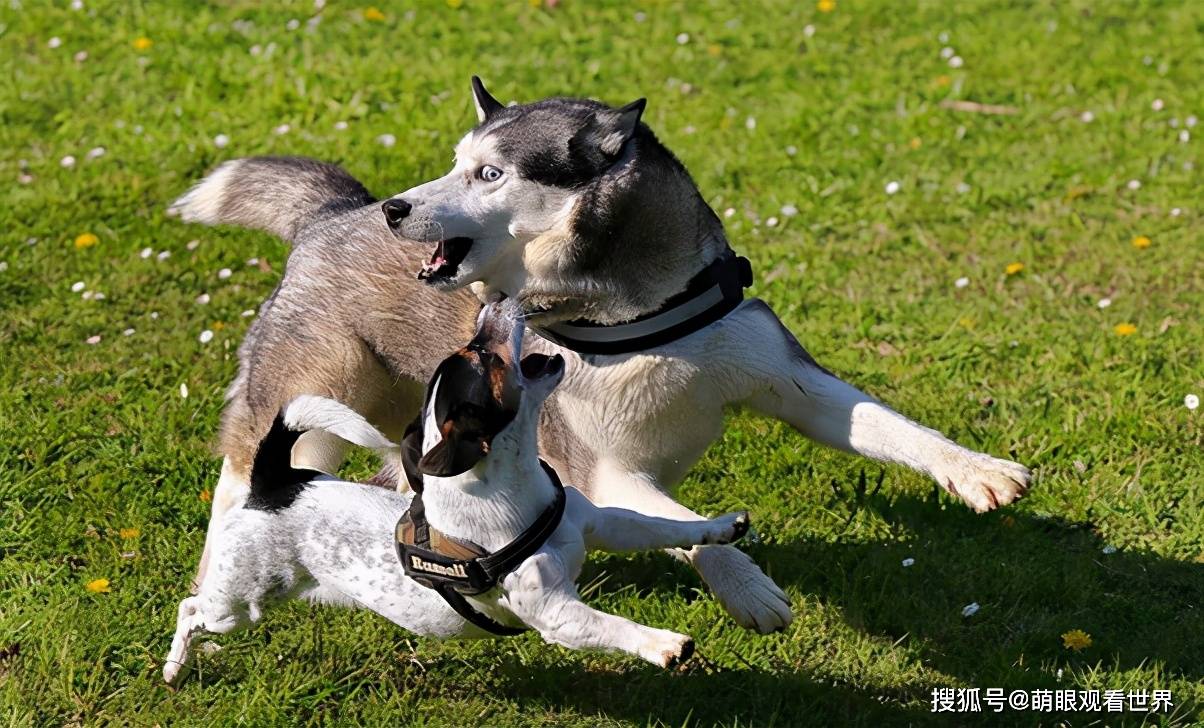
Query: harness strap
{"x": 709, "y": 296}
{"x": 454, "y": 567}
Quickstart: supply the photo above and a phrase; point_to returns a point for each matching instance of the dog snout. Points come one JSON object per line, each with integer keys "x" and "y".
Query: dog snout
{"x": 396, "y": 210}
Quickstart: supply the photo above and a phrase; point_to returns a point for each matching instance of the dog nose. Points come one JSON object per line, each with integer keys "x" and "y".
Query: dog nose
{"x": 395, "y": 211}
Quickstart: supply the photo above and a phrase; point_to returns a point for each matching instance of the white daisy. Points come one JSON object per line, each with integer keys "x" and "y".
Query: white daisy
{"x": 1134, "y": 184}
{"x": 248, "y": 313}
{"x": 164, "y": 255}
{"x": 94, "y": 339}
{"x": 970, "y": 609}
{"x": 1109, "y": 549}
{"x": 1087, "y": 117}
{"x": 772, "y": 222}
{"x": 252, "y": 261}
{"x": 386, "y": 140}
{"x": 1156, "y": 104}
{"x": 281, "y": 130}
{"x": 77, "y": 286}
{"x": 956, "y": 62}
{"x": 789, "y": 210}
{"x": 54, "y": 42}
{"x": 962, "y": 282}
{"x": 224, "y": 273}
{"x": 729, "y": 212}
{"x": 193, "y": 244}
{"x": 683, "y": 38}
{"x": 80, "y": 56}
{"x": 1104, "y": 302}
{"x": 791, "y": 150}
{"x": 203, "y": 299}
{"x": 96, "y": 152}
{"x": 808, "y": 31}
{"x": 205, "y": 337}
{"x": 145, "y": 253}
{"x": 750, "y": 123}
{"x": 293, "y": 24}
{"x": 127, "y": 332}
{"x": 908, "y": 562}
{"x": 220, "y": 141}
{"x": 892, "y": 187}
{"x": 947, "y": 52}
{"x": 1191, "y": 401}
{"x": 67, "y": 162}
{"x": 340, "y": 125}
{"x": 184, "y": 390}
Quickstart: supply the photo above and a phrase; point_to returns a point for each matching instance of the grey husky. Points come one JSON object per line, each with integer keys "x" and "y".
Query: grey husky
{"x": 577, "y": 211}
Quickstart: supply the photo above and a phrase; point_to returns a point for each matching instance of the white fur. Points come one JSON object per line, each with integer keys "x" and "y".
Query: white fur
{"x": 747, "y": 359}
{"x": 334, "y": 544}
{"x": 500, "y": 217}
{"x": 203, "y": 202}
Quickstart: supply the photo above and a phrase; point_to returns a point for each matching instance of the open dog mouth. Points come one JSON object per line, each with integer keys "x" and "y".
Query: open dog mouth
{"x": 446, "y": 259}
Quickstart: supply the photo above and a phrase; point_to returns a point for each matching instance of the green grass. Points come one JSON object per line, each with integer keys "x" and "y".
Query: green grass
{"x": 96, "y": 438}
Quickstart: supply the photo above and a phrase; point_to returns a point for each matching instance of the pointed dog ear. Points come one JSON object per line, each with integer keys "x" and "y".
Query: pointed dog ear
{"x": 620, "y": 126}
{"x": 486, "y": 105}
{"x": 452, "y": 455}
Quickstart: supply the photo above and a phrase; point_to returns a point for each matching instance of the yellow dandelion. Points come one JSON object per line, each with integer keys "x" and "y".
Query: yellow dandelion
{"x": 535, "y": 3}
{"x": 205, "y": 496}
{"x": 915, "y": 143}
{"x": 1125, "y": 329}
{"x": 1013, "y": 268}
{"x": 826, "y": 6}
{"x": 85, "y": 240}
{"x": 373, "y": 13}
{"x": 1076, "y": 639}
{"x": 217, "y": 326}
{"x": 943, "y": 80}
{"x": 98, "y": 586}
{"x": 453, "y": 4}
{"x": 128, "y": 533}
{"x": 966, "y": 322}
{"x": 714, "y": 51}
{"x": 143, "y": 43}
{"x": 1141, "y": 242}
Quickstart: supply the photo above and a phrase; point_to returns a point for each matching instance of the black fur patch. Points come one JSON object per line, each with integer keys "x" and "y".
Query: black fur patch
{"x": 275, "y": 483}
{"x": 556, "y": 142}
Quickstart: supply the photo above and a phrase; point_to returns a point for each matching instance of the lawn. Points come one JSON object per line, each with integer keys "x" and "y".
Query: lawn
{"x": 1028, "y": 279}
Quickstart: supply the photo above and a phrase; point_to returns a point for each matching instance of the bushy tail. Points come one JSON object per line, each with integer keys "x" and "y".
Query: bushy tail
{"x": 281, "y": 195}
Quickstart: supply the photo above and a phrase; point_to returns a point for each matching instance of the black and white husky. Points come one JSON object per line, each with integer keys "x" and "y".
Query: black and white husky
{"x": 575, "y": 209}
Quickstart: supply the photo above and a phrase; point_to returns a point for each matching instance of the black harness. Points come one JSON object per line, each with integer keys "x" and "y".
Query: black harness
{"x": 454, "y": 567}
{"x": 709, "y": 296}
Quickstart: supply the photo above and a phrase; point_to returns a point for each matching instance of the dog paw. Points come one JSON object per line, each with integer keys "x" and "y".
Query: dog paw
{"x": 742, "y": 589}
{"x": 667, "y": 649}
{"x": 174, "y": 671}
{"x": 983, "y": 482}
{"x": 726, "y": 528}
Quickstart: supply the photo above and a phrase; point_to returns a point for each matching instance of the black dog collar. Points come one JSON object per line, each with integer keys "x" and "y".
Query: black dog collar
{"x": 709, "y": 296}
{"x": 454, "y": 567}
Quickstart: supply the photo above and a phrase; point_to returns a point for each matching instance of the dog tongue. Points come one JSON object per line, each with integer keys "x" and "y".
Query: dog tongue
{"x": 437, "y": 261}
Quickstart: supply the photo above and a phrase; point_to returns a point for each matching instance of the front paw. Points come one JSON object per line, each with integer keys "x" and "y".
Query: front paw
{"x": 983, "y": 482}
{"x": 726, "y": 529}
{"x": 667, "y": 649}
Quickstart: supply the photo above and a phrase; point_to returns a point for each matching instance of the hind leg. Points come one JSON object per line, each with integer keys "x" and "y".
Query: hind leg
{"x": 194, "y": 616}
{"x": 230, "y": 492}
{"x": 743, "y": 590}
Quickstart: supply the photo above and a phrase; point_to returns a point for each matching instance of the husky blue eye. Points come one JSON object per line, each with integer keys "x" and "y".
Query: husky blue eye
{"x": 489, "y": 173}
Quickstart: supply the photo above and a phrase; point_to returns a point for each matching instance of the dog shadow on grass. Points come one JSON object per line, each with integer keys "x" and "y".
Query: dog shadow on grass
{"x": 1032, "y": 578}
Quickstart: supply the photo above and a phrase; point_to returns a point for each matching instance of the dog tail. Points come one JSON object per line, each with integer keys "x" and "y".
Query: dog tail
{"x": 311, "y": 412}
{"x": 280, "y": 195}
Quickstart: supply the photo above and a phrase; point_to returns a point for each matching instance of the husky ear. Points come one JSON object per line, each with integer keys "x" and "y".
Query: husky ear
{"x": 621, "y": 124}
{"x": 486, "y": 105}
{"x": 452, "y": 455}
